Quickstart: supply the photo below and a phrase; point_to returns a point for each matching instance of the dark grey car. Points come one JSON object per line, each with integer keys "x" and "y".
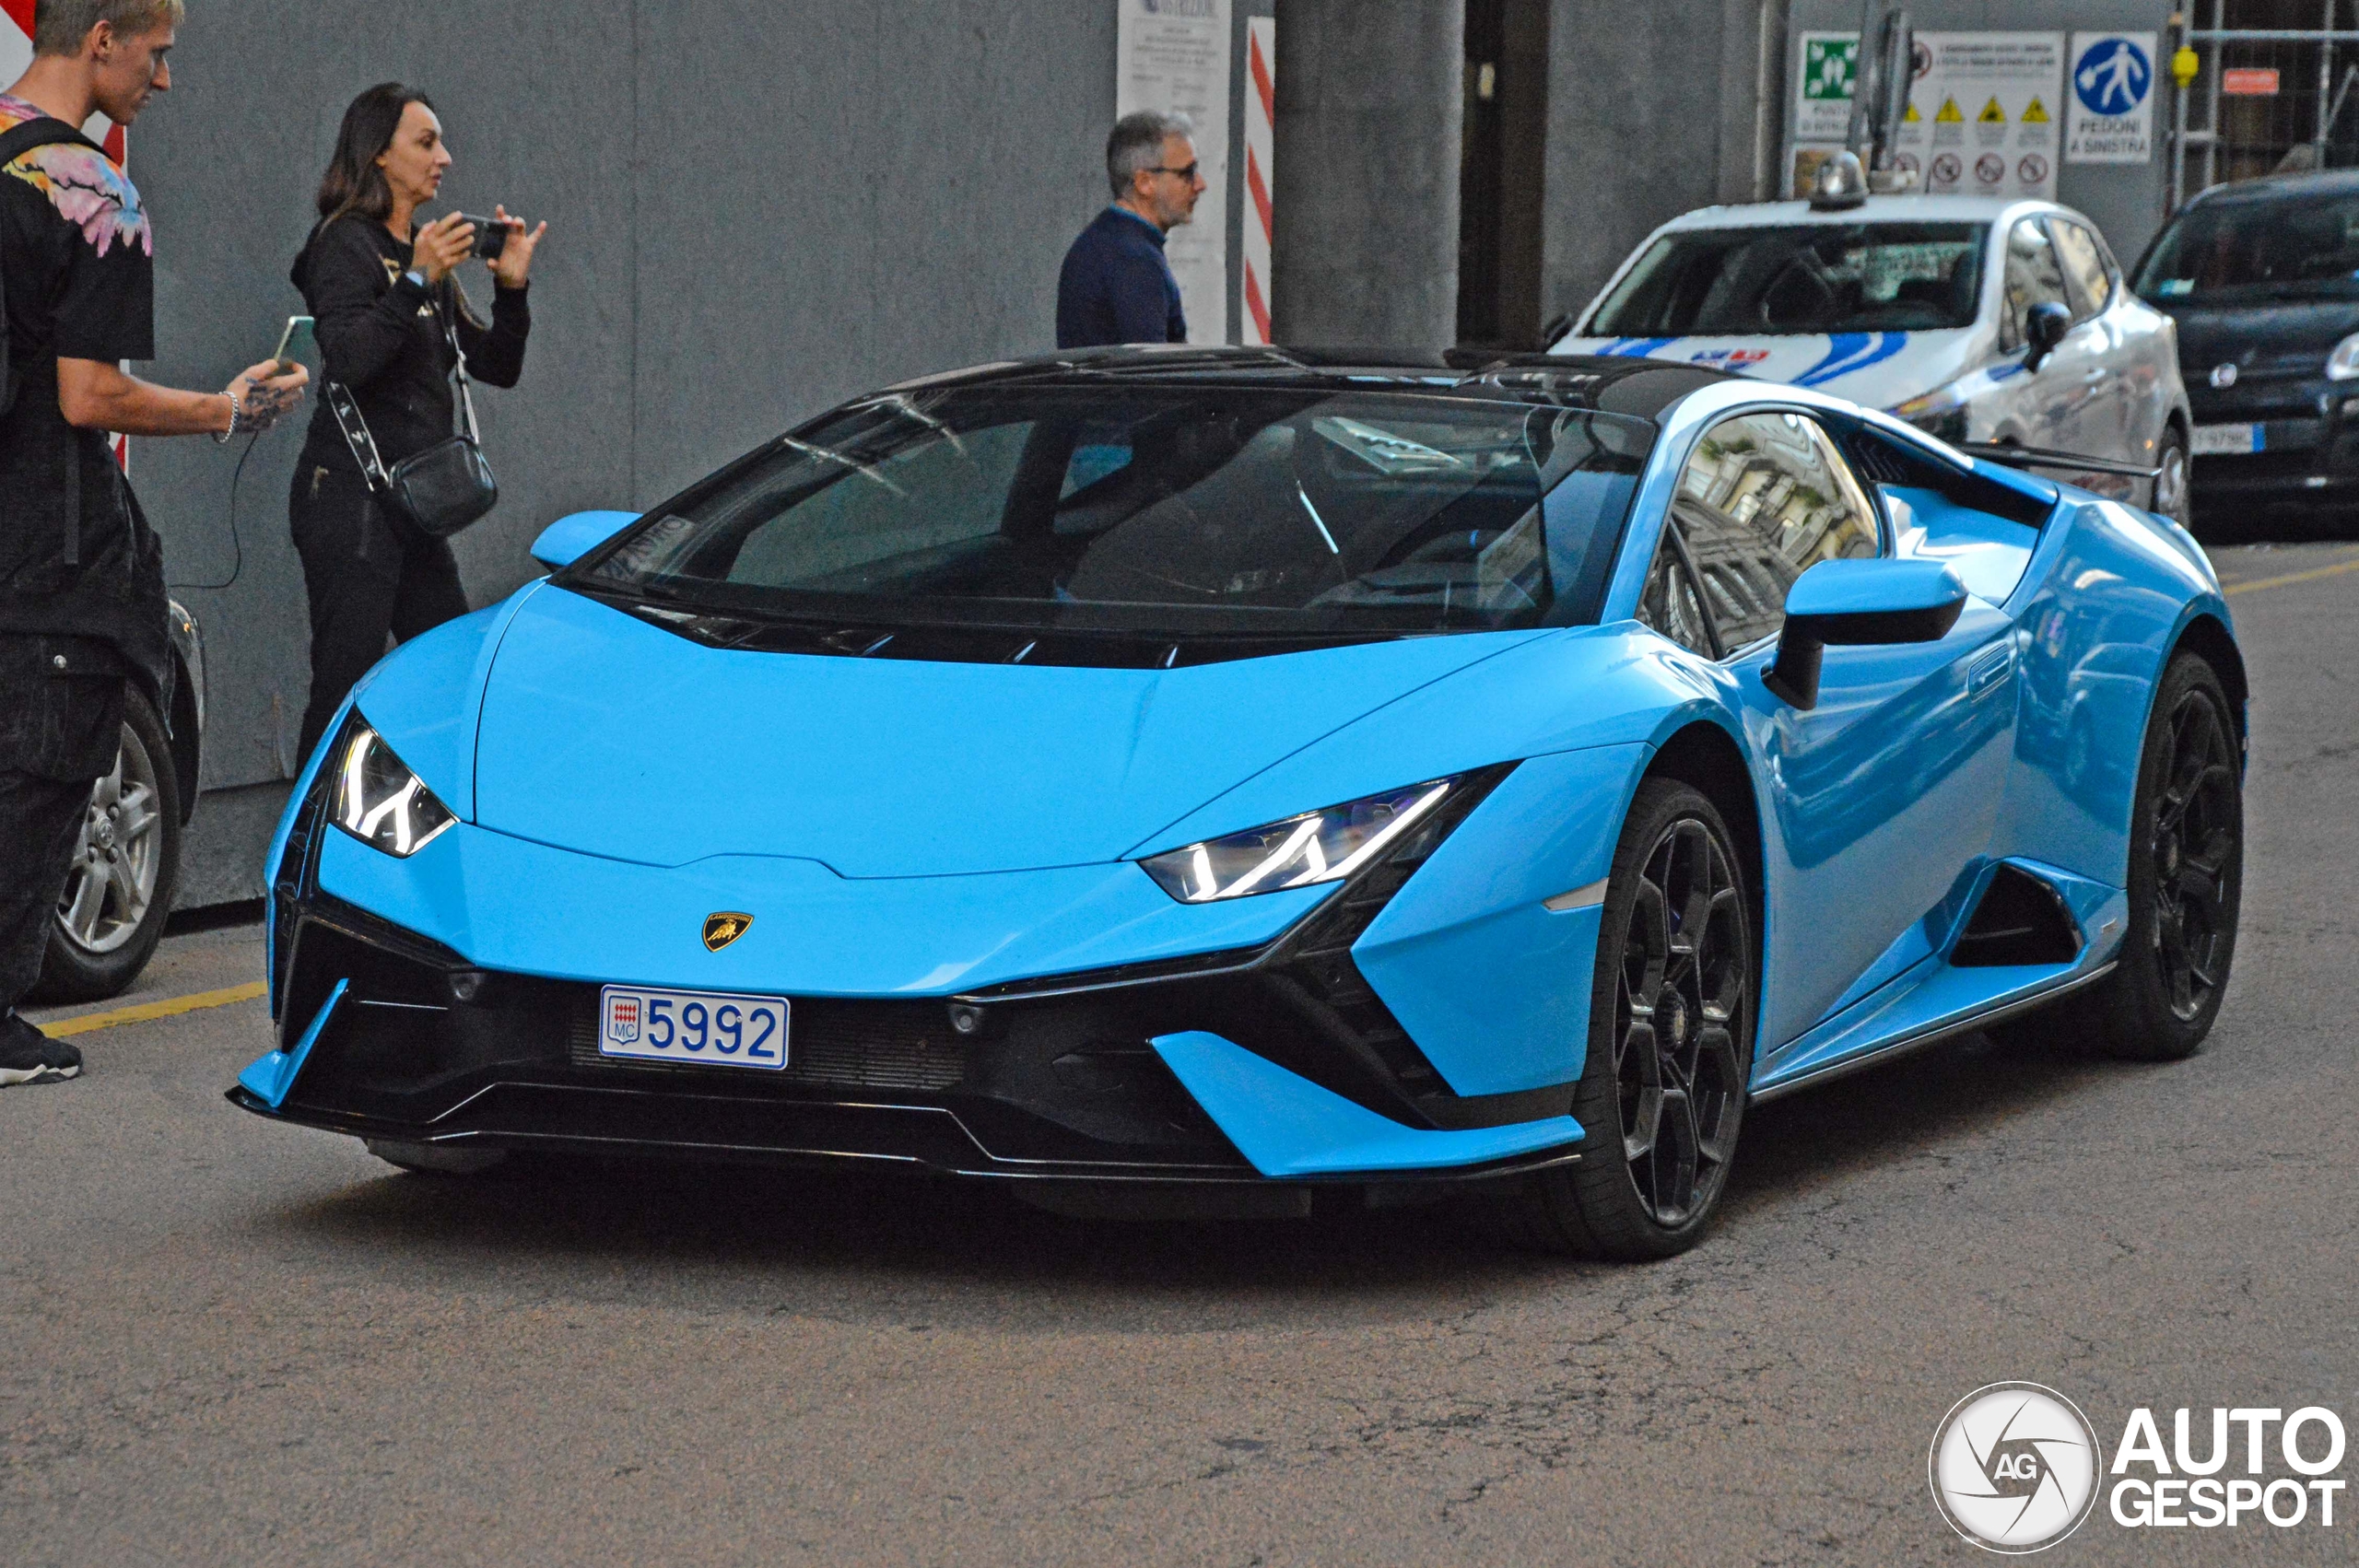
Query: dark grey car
{"x": 2262, "y": 276}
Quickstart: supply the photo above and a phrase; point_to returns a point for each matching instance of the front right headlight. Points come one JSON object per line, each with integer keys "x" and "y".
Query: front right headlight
{"x": 379, "y": 801}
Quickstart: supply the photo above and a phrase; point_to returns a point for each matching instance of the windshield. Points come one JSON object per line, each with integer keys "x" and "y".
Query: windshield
{"x": 1173, "y": 512}
{"x": 2282, "y": 247}
{"x": 1807, "y": 277}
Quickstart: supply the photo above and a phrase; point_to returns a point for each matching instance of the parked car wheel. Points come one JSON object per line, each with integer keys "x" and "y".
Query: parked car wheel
{"x": 2185, "y": 882}
{"x": 2172, "y": 479}
{"x": 1671, "y": 1044}
{"x": 119, "y": 888}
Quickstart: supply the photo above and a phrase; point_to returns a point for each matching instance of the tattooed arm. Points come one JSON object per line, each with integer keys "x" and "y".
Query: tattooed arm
{"x": 95, "y": 396}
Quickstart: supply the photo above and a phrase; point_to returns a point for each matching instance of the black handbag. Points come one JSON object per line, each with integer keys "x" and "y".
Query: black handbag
{"x": 439, "y": 490}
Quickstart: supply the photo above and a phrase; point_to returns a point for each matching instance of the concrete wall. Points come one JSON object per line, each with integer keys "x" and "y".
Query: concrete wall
{"x": 1652, "y": 113}
{"x": 1369, "y": 104}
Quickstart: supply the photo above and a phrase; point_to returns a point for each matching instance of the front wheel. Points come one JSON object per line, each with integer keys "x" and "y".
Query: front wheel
{"x": 119, "y": 888}
{"x": 1664, "y": 1092}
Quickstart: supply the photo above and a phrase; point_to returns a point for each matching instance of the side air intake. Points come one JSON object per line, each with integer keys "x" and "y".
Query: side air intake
{"x": 2020, "y": 920}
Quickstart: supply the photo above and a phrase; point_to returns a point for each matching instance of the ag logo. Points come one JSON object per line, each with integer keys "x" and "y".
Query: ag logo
{"x": 2014, "y": 1467}
{"x": 724, "y": 928}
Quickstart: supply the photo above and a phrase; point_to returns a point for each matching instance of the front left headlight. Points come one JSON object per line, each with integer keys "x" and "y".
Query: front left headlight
{"x": 379, "y": 801}
{"x": 1301, "y": 851}
{"x": 2342, "y": 365}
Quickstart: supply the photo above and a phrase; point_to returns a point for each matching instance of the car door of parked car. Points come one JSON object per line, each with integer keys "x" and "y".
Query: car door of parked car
{"x": 1884, "y": 794}
{"x": 2058, "y": 405}
{"x": 2090, "y": 284}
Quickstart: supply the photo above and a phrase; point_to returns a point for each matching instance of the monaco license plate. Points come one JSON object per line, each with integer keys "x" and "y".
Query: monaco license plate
{"x": 2220, "y": 440}
{"x": 704, "y": 1028}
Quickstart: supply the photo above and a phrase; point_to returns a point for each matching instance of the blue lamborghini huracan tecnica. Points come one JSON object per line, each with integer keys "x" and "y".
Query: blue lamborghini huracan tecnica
{"x": 1221, "y": 777}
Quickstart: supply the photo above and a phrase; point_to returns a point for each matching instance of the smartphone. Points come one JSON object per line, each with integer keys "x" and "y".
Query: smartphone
{"x": 491, "y": 235}
{"x": 296, "y": 345}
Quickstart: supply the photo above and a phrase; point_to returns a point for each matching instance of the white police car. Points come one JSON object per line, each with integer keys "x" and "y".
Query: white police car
{"x": 1978, "y": 319}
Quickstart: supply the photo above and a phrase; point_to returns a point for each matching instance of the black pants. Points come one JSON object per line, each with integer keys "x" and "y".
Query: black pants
{"x": 366, "y": 576}
{"x": 61, "y": 723}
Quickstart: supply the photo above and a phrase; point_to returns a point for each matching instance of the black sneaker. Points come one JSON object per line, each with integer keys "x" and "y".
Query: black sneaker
{"x": 28, "y": 1055}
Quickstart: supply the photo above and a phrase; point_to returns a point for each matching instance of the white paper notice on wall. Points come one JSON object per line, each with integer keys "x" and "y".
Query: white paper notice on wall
{"x": 2112, "y": 96}
{"x": 1173, "y": 57}
{"x": 1985, "y": 114}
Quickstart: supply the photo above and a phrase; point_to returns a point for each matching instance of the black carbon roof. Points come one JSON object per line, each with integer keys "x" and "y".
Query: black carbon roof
{"x": 1632, "y": 387}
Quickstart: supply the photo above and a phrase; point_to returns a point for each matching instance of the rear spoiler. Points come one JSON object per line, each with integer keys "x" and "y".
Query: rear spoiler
{"x": 2013, "y": 456}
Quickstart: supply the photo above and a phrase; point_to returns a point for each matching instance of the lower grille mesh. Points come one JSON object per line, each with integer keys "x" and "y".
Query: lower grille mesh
{"x": 874, "y": 1045}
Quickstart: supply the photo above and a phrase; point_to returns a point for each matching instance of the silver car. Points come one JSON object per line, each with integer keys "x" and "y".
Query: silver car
{"x": 126, "y": 863}
{"x": 1977, "y": 319}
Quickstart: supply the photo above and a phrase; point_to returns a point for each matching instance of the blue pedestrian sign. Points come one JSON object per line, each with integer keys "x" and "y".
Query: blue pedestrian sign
{"x": 2111, "y": 77}
{"x": 2112, "y": 118}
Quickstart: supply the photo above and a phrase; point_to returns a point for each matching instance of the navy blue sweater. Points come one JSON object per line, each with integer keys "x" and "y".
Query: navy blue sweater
{"x": 1116, "y": 287}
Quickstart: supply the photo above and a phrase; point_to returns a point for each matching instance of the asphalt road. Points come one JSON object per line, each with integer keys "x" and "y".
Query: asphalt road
{"x": 232, "y": 1344}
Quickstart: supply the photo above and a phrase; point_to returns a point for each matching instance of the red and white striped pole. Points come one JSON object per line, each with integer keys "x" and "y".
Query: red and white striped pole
{"x": 1261, "y": 146}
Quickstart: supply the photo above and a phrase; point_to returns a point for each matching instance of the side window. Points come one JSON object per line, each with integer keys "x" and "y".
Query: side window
{"x": 2084, "y": 265}
{"x": 1765, "y": 498}
{"x": 2034, "y": 278}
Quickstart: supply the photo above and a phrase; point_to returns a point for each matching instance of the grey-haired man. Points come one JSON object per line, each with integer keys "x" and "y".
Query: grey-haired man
{"x": 1116, "y": 287}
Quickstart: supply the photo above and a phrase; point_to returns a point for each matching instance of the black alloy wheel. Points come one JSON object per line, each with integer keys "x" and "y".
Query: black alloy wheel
{"x": 2186, "y": 875}
{"x": 2194, "y": 842}
{"x": 1664, "y": 1092}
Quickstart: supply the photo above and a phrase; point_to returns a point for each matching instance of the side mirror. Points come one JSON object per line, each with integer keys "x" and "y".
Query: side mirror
{"x": 2046, "y": 326}
{"x": 1849, "y": 604}
{"x": 569, "y": 539}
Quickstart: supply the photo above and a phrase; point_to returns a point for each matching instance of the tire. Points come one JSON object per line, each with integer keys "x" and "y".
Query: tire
{"x": 1662, "y": 1120}
{"x": 2186, "y": 878}
{"x": 118, "y": 889}
{"x": 2174, "y": 485}
{"x": 431, "y": 1159}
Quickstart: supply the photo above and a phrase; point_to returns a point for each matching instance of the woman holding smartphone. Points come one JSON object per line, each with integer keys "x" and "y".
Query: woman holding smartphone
{"x": 387, "y": 302}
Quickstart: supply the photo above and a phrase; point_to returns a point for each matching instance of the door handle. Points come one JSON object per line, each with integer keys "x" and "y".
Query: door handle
{"x": 1988, "y": 669}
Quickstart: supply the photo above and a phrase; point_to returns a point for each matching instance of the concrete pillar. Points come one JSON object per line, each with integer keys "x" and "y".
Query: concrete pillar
{"x": 1369, "y": 113}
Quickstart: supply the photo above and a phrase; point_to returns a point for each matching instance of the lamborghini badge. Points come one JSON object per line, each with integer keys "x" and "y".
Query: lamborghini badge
{"x": 722, "y": 928}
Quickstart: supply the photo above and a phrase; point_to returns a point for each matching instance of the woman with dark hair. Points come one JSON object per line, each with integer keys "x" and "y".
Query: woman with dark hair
{"x": 387, "y": 303}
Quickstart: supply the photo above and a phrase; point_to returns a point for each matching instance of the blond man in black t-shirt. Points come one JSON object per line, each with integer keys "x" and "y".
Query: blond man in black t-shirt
{"x": 82, "y": 603}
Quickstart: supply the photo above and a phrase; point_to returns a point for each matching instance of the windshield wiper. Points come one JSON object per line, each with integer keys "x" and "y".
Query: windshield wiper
{"x": 901, "y": 404}
{"x": 863, "y": 470}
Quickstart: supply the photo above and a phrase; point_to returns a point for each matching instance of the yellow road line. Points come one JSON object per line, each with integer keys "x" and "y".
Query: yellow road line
{"x": 167, "y": 1008}
{"x": 2311, "y": 576}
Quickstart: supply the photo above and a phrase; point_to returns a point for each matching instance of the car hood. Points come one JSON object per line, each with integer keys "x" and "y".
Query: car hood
{"x": 2292, "y": 337}
{"x": 607, "y": 736}
{"x": 1876, "y": 370}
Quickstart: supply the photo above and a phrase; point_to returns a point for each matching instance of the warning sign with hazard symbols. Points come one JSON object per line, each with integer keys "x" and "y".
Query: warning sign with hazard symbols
{"x": 1982, "y": 117}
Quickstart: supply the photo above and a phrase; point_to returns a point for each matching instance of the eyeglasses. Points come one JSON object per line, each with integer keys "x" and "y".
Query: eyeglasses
{"x": 1187, "y": 173}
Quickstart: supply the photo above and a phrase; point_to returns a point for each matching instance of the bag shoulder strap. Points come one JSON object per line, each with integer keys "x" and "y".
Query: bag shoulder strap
{"x": 41, "y": 133}
{"x": 459, "y": 370}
